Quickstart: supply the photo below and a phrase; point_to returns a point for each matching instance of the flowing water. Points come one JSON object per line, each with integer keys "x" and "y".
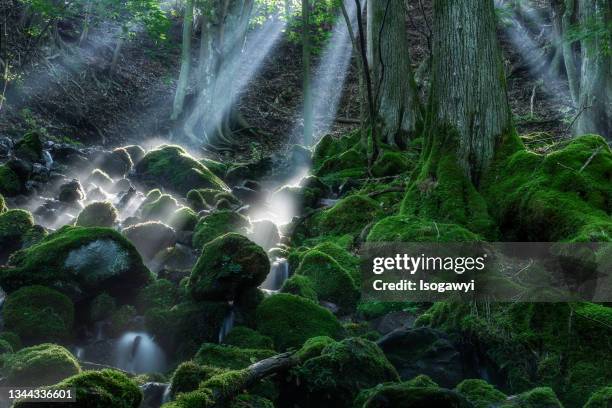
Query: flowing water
{"x": 279, "y": 272}
{"x": 227, "y": 325}
{"x": 137, "y": 353}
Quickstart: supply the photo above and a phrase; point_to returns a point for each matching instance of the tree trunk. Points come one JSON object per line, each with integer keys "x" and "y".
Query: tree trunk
{"x": 397, "y": 104}
{"x": 568, "y": 53}
{"x": 595, "y": 98}
{"x": 183, "y": 81}
{"x": 468, "y": 95}
{"x": 306, "y": 85}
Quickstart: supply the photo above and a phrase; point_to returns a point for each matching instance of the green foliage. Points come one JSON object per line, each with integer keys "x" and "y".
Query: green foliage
{"x": 100, "y": 178}
{"x": 97, "y": 214}
{"x": 322, "y": 17}
{"x": 5, "y": 347}
{"x": 12, "y": 339}
{"x": 405, "y": 395}
{"x": 601, "y": 398}
{"x": 216, "y": 224}
{"x": 44, "y": 364}
{"x": 122, "y": 319}
{"x": 291, "y": 320}
{"x": 14, "y": 224}
{"x": 244, "y": 337}
{"x": 400, "y": 228}
{"x": 158, "y": 209}
{"x": 158, "y": 294}
{"x": 372, "y": 309}
{"x": 37, "y": 313}
{"x": 229, "y": 265}
{"x": 101, "y": 307}
{"x": 300, "y": 285}
{"x": 389, "y": 164}
{"x": 225, "y": 356}
{"x": 10, "y": 183}
{"x": 313, "y": 347}
{"x": 480, "y": 393}
{"x": 188, "y": 376}
{"x": 540, "y": 397}
{"x": 348, "y": 216}
{"x": 29, "y": 147}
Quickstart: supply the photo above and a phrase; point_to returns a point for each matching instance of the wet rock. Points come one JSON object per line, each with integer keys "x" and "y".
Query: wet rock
{"x": 176, "y": 258}
{"x": 29, "y": 147}
{"x": 100, "y": 179}
{"x": 264, "y": 233}
{"x": 116, "y": 163}
{"x": 153, "y": 394}
{"x": 423, "y": 351}
{"x": 22, "y": 168}
{"x": 71, "y": 192}
{"x": 149, "y": 238}
{"x": 136, "y": 153}
{"x": 6, "y": 144}
{"x": 246, "y": 194}
{"x": 96, "y": 194}
{"x": 121, "y": 185}
{"x": 300, "y": 155}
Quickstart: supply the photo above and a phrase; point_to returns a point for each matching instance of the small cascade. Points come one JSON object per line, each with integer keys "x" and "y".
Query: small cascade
{"x": 227, "y": 326}
{"x": 79, "y": 353}
{"x": 279, "y": 273}
{"x": 167, "y": 395}
{"x": 137, "y": 353}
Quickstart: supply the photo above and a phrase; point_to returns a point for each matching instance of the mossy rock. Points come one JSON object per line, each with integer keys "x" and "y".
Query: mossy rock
{"x": 102, "y": 307}
{"x": 97, "y": 214}
{"x": 183, "y": 219}
{"x": 540, "y": 397}
{"x": 329, "y": 146}
{"x": 331, "y": 282}
{"x": 400, "y": 228}
{"x": 116, "y": 163}
{"x": 251, "y": 401}
{"x": 390, "y": 163}
{"x": 480, "y": 393}
{"x": 245, "y": 337}
{"x": 150, "y": 237}
{"x": 218, "y": 168}
{"x": 173, "y": 169}
{"x": 136, "y": 153}
{"x": 246, "y": 305}
{"x": 313, "y": 347}
{"x": 228, "y": 266}
{"x": 231, "y": 357}
{"x": 38, "y": 313}
{"x": 159, "y": 209}
{"x": 350, "y": 159}
{"x": 11, "y": 338}
{"x": 291, "y": 320}
{"x": 160, "y": 293}
{"x": 195, "y": 200}
{"x": 100, "y": 179}
{"x": 122, "y": 319}
{"x": 5, "y": 347}
{"x": 29, "y": 147}
{"x": 373, "y": 309}
{"x": 188, "y": 376}
{"x": 344, "y": 258}
{"x": 300, "y": 285}
{"x": 39, "y": 365}
{"x": 97, "y": 389}
{"x": 33, "y": 236}
{"x": 80, "y": 262}
{"x": 601, "y": 398}
{"x": 335, "y": 377}
{"x": 217, "y": 224}
{"x": 406, "y": 396}
{"x": 348, "y": 216}
{"x": 14, "y": 225}
{"x": 10, "y": 183}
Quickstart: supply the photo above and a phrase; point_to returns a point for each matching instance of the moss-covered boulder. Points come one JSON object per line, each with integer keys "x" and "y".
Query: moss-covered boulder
{"x": 14, "y": 225}
{"x": 480, "y": 393}
{"x": 175, "y": 170}
{"x": 160, "y": 208}
{"x": 539, "y": 397}
{"x": 71, "y": 192}
{"x": 335, "y": 377}
{"x": 291, "y": 320}
{"x": 97, "y": 214}
{"x": 227, "y": 267}
{"x": 406, "y": 396}
{"x": 10, "y": 182}
{"x": 218, "y": 168}
{"x": 29, "y": 147}
{"x": 183, "y": 219}
{"x": 160, "y": 293}
{"x": 399, "y": 228}
{"x": 150, "y": 238}
{"x": 43, "y": 364}
{"x": 313, "y": 347}
{"x": 601, "y": 398}
{"x": 245, "y": 337}
{"x": 225, "y": 356}
{"x": 300, "y": 285}
{"x": 102, "y": 307}
{"x": 331, "y": 282}
{"x": 348, "y": 216}
{"x": 97, "y": 389}
{"x": 136, "y": 153}
{"x": 100, "y": 179}
{"x": 116, "y": 163}
{"x": 38, "y": 313}
{"x": 80, "y": 262}
{"x": 217, "y": 224}
{"x": 188, "y": 376}
{"x": 12, "y": 339}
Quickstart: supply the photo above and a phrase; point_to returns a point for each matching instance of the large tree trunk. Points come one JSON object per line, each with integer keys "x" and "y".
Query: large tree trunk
{"x": 568, "y": 52}
{"x": 397, "y": 104}
{"x": 595, "y": 98}
{"x": 183, "y": 81}
{"x": 468, "y": 95}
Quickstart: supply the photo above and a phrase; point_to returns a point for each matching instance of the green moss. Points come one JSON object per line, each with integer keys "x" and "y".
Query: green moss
{"x": 100, "y": 178}
{"x": 540, "y": 397}
{"x": 401, "y": 228}
{"x": 246, "y": 305}
{"x": 136, "y": 153}
{"x": 344, "y": 258}
{"x": 244, "y": 337}
{"x": 405, "y": 396}
{"x": 224, "y": 356}
{"x": 601, "y": 398}
{"x": 5, "y": 347}
{"x": 11, "y": 338}
{"x": 33, "y": 236}
{"x": 14, "y": 224}
{"x": 300, "y": 285}
{"x": 227, "y": 267}
{"x": 313, "y": 347}
{"x": 291, "y": 320}
{"x": 343, "y": 369}
{"x": 10, "y": 183}
{"x": 217, "y": 224}
{"x": 360, "y": 329}
{"x": 98, "y": 214}
{"x": 251, "y": 401}
{"x": 159, "y": 209}
{"x": 196, "y": 201}
{"x": 29, "y": 147}
{"x": 80, "y": 260}
{"x": 553, "y": 197}
{"x": 152, "y": 195}
{"x": 188, "y": 376}
{"x": 172, "y": 168}
{"x": 373, "y": 309}
{"x": 218, "y": 168}
{"x": 348, "y": 216}
{"x": 38, "y": 313}
{"x": 44, "y": 364}
{"x": 101, "y": 307}
{"x": 202, "y": 398}
{"x": 480, "y": 393}
{"x": 3, "y": 207}
{"x": 331, "y": 282}
{"x": 183, "y": 219}
{"x": 350, "y": 159}
{"x": 227, "y": 384}
{"x": 389, "y": 164}
{"x": 161, "y": 294}
{"x": 122, "y": 319}
{"x": 421, "y": 380}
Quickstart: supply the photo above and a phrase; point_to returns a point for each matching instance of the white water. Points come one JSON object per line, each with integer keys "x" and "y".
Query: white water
{"x": 227, "y": 326}
{"x": 279, "y": 272}
{"x": 137, "y": 353}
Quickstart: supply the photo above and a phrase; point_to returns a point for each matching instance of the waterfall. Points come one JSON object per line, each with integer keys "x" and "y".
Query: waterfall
{"x": 279, "y": 272}
{"x": 79, "y": 353}
{"x": 136, "y": 352}
{"x": 227, "y": 326}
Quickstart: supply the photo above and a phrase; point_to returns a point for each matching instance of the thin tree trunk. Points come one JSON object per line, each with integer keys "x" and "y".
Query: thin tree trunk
{"x": 595, "y": 98}
{"x": 568, "y": 53}
{"x": 306, "y": 85}
{"x": 468, "y": 95}
{"x": 183, "y": 81}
